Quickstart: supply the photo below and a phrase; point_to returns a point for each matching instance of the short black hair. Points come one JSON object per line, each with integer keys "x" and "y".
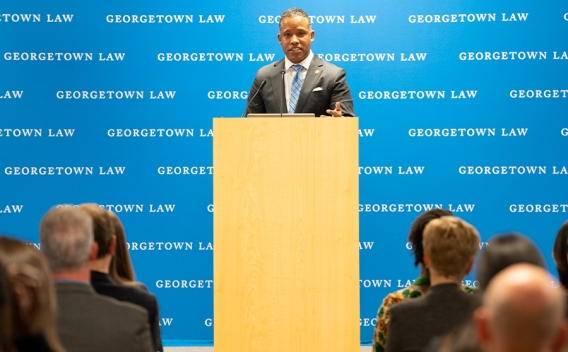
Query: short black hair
{"x": 503, "y": 251}
{"x": 417, "y": 230}
{"x": 294, "y": 12}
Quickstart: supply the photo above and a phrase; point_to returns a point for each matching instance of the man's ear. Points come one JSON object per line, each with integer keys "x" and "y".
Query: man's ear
{"x": 312, "y": 34}
{"x": 560, "y": 337}
{"x": 112, "y": 246}
{"x": 469, "y": 267}
{"x": 94, "y": 251}
{"x": 278, "y": 36}
{"x": 426, "y": 260}
{"x": 481, "y": 329}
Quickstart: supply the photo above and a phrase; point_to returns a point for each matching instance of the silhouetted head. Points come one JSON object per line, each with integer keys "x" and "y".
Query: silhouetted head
{"x": 503, "y": 251}
{"x": 560, "y": 254}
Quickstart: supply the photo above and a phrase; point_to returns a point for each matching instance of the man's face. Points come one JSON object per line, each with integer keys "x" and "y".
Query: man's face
{"x": 296, "y": 37}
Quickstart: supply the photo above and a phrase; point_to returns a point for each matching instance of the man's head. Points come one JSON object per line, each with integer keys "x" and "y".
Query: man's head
{"x": 450, "y": 245}
{"x": 521, "y": 311}
{"x": 66, "y": 236}
{"x": 102, "y": 227}
{"x": 296, "y": 34}
{"x": 503, "y": 251}
{"x": 416, "y": 232}
{"x": 560, "y": 254}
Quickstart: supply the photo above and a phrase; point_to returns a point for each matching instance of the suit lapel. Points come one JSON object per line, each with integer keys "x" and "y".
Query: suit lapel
{"x": 310, "y": 82}
{"x": 276, "y": 80}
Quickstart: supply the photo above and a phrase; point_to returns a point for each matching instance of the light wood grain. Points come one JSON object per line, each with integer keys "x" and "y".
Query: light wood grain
{"x": 286, "y": 261}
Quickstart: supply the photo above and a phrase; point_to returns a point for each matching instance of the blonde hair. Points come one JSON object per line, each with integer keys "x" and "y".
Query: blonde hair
{"x": 450, "y": 244}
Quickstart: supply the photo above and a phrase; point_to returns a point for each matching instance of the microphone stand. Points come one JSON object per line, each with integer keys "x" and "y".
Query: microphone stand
{"x": 254, "y": 96}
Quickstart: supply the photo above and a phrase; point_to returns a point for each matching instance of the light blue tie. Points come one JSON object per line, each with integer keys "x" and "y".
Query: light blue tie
{"x": 296, "y": 88}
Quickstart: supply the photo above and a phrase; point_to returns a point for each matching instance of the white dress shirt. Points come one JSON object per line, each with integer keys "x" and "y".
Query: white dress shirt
{"x": 290, "y": 73}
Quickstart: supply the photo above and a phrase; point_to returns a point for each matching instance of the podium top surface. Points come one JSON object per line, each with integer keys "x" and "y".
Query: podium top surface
{"x": 284, "y": 117}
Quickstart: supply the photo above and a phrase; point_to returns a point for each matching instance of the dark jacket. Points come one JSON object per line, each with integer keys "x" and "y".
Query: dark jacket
{"x": 89, "y": 322}
{"x": 415, "y": 322}
{"x": 104, "y": 285}
{"x": 325, "y": 84}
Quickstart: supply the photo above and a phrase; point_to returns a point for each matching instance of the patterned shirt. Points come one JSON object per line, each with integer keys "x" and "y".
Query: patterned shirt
{"x": 417, "y": 289}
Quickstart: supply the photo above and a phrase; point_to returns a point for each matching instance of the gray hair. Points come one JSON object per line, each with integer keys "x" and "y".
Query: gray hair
{"x": 294, "y": 12}
{"x": 66, "y": 236}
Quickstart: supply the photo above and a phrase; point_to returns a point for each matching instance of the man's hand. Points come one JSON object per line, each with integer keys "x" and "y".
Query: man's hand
{"x": 334, "y": 113}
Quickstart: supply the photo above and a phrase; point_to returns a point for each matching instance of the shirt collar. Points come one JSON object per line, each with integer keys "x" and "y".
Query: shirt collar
{"x": 305, "y": 63}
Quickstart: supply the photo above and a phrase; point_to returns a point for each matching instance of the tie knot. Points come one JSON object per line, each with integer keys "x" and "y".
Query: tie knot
{"x": 298, "y": 68}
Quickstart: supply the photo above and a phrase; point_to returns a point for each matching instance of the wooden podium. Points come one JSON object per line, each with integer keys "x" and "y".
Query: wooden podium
{"x": 286, "y": 232}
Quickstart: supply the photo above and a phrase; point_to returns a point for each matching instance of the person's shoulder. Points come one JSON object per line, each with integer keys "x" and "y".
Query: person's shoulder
{"x": 410, "y": 303}
{"x": 143, "y": 295}
{"x": 72, "y": 287}
{"x": 403, "y": 294}
{"x": 270, "y": 68}
{"x": 468, "y": 289}
{"x": 326, "y": 64}
{"x": 127, "y": 321}
{"x": 397, "y": 297}
{"x": 121, "y": 310}
{"x": 84, "y": 298}
{"x": 133, "y": 294}
{"x": 449, "y": 295}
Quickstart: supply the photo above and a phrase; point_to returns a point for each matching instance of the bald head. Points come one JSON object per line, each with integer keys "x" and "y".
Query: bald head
{"x": 521, "y": 311}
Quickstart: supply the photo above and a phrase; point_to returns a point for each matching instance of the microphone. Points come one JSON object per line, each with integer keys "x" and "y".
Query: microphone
{"x": 254, "y": 96}
{"x": 283, "y": 102}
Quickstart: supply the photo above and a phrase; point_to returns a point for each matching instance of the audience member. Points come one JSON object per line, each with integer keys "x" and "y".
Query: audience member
{"x": 420, "y": 285}
{"x": 121, "y": 270}
{"x": 87, "y": 321}
{"x": 521, "y": 312}
{"x": 560, "y": 254}
{"x": 501, "y": 252}
{"x": 101, "y": 280}
{"x": 450, "y": 245}
{"x": 5, "y": 312}
{"x": 33, "y": 301}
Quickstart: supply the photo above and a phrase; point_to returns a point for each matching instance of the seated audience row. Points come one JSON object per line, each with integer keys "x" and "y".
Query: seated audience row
{"x": 67, "y": 241}
{"x": 67, "y": 299}
{"x": 79, "y": 293}
{"x": 441, "y": 316}
{"x": 501, "y": 252}
{"x": 419, "y": 287}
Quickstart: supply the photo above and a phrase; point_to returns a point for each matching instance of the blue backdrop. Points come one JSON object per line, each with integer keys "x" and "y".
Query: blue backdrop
{"x": 461, "y": 105}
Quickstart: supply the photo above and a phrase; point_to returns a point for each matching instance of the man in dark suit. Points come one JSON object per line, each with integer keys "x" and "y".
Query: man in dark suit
{"x": 87, "y": 321}
{"x": 450, "y": 245}
{"x": 103, "y": 283}
{"x": 312, "y": 85}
